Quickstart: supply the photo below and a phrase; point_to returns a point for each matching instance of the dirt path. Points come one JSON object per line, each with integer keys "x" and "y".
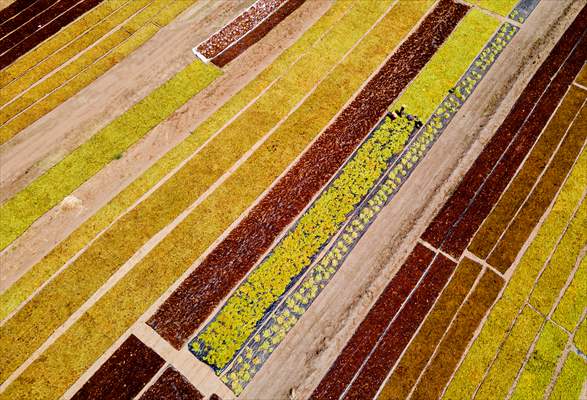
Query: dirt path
{"x": 314, "y": 343}
{"x": 55, "y": 225}
{"x": 47, "y": 141}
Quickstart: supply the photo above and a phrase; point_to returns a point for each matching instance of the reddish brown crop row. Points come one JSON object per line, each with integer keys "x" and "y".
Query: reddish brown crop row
{"x": 14, "y": 9}
{"x": 381, "y": 337}
{"x": 238, "y": 27}
{"x": 25, "y": 15}
{"x": 461, "y": 216}
{"x": 228, "y": 263}
{"x": 41, "y": 27}
{"x": 172, "y": 385}
{"x": 256, "y": 34}
{"x": 124, "y": 374}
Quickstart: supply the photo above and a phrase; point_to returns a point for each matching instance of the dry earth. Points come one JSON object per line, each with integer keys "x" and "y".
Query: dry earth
{"x": 59, "y": 222}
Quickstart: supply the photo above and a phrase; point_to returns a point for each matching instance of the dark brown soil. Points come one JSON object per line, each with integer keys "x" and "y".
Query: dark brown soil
{"x": 457, "y": 338}
{"x": 24, "y": 16}
{"x": 373, "y": 326}
{"x": 124, "y": 374}
{"x": 172, "y": 386}
{"x": 257, "y": 33}
{"x": 473, "y": 180}
{"x": 45, "y": 32}
{"x": 14, "y": 9}
{"x": 422, "y": 346}
{"x": 228, "y": 263}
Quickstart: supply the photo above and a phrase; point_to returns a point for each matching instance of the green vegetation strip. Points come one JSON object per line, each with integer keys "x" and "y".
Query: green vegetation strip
{"x": 113, "y": 313}
{"x": 22, "y": 210}
{"x": 538, "y": 371}
{"x": 514, "y": 197}
{"x": 422, "y": 347}
{"x": 511, "y": 356}
{"x": 85, "y": 69}
{"x": 502, "y": 7}
{"x": 569, "y": 383}
{"x": 40, "y": 272}
{"x": 34, "y": 73}
{"x": 515, "y": 236}
{"x": 219, "y": 341}
{"x": 568, "y": 312}
{"x": 448, "y": 65}
{"x": 498, "y": 323}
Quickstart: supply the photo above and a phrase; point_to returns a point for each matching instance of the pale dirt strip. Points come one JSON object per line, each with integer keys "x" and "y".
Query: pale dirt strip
{"x": 319, "y": 336}
{"x": 48, "y": 140}
{"x": 151, "y": 243}
{"x": 5, "y": 3}
{"x": 59, "y": 222}
{"x": 197, "y": 372}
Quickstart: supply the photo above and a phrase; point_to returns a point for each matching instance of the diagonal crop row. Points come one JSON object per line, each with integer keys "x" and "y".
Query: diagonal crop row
{"x": 50, "y": 26}
{"x": 83, "y": 70}
{"x": 23, "y": 209}
{"x": 458, "y": 220}
{"x": 45, "y": 268}
{"x": 134, "y": 292}
{"x": 297, "y": 302}
{"x": 257, "y": 33}
{"x": 197, "y": 296}
{"x": 249, "y": 305}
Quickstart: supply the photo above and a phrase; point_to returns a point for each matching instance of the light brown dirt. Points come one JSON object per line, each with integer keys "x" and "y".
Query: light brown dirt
{"x": 315, "y": 342}
{"x": 59, "y": 222}
{"x": 5, "y": 3}
{"x": 44, "y": 143}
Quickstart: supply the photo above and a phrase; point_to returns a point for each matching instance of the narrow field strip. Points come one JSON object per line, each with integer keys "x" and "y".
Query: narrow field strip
{"x": 448, "y": 64}
{"x": 192, "y": 302}
{"x": 19, "y": 212}
{"x": 136, "y": 293}
{"x": 518, "y": 232}
{"x": 74, "y": 284}
{"x": 537, "y": 372}
{"x": 257, "y": 33}
{"x": 126, "y": 372}
{"x": 569, "y": 310}
{"x": 13, "y": 9}
{"x": 62, "y": 39}
{"x": 46, "y": 31}
{"x": 560, "y": 266}
{"x": 496, "y": 328}
{"x": 36, "y": 7}
{"x": 569, "y": 383}
{"x": 582, "y": 77}
{"x": 522, "y": 10}
{"x": 20, "y": 85}
{"x": 78, "y": 74}
{"x": 360, "y": 377}
{"x": 501, "y": 7}
{"x": 48, "y": 11}
{"x": 454, "y": 343}
{"x": 521, "y": 186}
{"x": 513, "y": 351}
{"x": 373, "y": 326}
{"x": 256, "y": 352}
{"x": 458, "y": 220}
{"x": 219, "y": 341}
{"x": 237, "y": 28}
{"x": 40, "y": 272}
{"x": 101, "y": 220}
{"x": 421, "y": 348}
{"x": 173, "y": 386}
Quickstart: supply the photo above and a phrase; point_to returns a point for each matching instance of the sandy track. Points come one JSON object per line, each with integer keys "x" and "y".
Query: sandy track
{"x": 44, "y": 143}
{"x": 312, "y": 346}
{"x": 56, "y": 224}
